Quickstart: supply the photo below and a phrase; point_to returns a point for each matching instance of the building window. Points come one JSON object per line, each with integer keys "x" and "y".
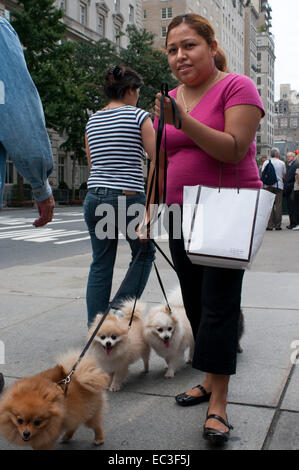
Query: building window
{"x": 116, "y": 6}
{"x": 131, "y": 14}
{"x": 117, "y": 34}
{"x": 83, "y": 13}
{"x": 9, "y": 171}
{"x": 164, "y": 31}
{"x": 284, "y": 122}
{"x": 62, "y": 5}
{"x": 61, "y": 168}
{"x": 259, "y": 81}
{"x": 166, "y": 13}
{"x": 101, "y": 25}
{"x": 259, "y": 56}
{"x": 294, "y": 123}
{"x": 144, "y": 14}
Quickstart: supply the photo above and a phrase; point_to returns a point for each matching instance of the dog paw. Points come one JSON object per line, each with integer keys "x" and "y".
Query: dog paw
{"x": 169, "y": 374}
{"x": 114, "y": 388}
{"x": 97, "y": 442}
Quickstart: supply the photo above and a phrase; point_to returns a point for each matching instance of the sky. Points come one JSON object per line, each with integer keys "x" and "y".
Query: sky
{"x": 285, "y": 28}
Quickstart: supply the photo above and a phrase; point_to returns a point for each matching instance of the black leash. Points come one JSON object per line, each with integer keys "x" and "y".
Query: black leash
{"x": 67, "y": 380}
{"x": 177, "y": 123}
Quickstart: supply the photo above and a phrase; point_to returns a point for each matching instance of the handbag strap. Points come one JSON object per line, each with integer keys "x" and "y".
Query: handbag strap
{"x": 162, "y": 128}
{"x": 237, "y": 166}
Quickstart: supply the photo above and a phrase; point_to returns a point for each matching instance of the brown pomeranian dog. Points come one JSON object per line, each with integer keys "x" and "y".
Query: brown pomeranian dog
{"x": 34, "y": 411}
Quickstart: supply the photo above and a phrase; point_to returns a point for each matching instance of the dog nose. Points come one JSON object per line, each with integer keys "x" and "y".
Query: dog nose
{"x": 108, "y": 344}
{"x": 166, "y": 338}
{"x": 26, "y": 434}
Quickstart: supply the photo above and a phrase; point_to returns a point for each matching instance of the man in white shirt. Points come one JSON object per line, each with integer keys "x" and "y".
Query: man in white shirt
{"x": 277, "y": 189}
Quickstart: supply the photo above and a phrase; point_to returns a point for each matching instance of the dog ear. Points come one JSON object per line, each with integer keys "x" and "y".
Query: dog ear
{"x": 167, "y": 309}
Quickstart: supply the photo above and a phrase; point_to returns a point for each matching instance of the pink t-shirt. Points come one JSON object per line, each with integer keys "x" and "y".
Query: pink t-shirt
{"x": 188, "y": 165}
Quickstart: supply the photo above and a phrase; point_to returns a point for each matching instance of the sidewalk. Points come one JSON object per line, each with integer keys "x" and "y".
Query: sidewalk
{"x": 43, "y": 313}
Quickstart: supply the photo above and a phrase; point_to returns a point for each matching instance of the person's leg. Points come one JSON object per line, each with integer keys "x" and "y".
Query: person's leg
{"x": 271, "y": 221}
{"x": 278, "y": 213}
{"x": 296, "y": 207}
{"x": 142, "y": 253}
{"x": 103, "y": 259}
{"x": 217, "y": 339}
{"x": 1, "y": 382}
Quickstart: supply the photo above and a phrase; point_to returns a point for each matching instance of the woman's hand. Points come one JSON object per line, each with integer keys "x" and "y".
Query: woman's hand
{"x": 168, "y": 115}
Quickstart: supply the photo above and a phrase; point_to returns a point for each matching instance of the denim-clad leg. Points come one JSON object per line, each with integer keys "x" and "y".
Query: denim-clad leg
{"x": 104, "y": 249}
{"x": 136, "y": 279}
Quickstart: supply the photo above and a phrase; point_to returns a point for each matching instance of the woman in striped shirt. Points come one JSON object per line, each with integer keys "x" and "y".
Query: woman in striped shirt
{"x": 116, "y": 138}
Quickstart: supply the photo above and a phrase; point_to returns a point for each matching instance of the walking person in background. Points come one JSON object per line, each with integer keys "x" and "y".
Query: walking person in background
{"x": 277, "y": 189}
{"x": 116, "y": 137}
{"x": 296, "y": 195}
{"x": 220, "y": 114}
{"x": 288, "y": 191}
{"x": 23, "y": 133}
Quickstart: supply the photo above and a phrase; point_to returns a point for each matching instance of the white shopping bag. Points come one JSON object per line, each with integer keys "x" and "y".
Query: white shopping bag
{"x": 224, "y": 227}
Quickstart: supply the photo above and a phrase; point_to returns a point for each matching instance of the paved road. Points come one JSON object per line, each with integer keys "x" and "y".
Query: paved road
{"x": 22, "y": 244}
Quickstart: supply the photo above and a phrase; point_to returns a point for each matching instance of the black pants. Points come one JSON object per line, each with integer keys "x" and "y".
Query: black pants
{"x": 290, "y": 199}
{"x": 212, "y": 299}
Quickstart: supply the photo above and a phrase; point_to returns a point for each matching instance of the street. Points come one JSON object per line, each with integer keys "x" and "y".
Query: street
{"x": 22, "y": 244}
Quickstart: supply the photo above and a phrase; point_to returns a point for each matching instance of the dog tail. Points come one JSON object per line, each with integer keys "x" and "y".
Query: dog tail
{"x": 126, "y": 309}
{"x": 87, "y": 373}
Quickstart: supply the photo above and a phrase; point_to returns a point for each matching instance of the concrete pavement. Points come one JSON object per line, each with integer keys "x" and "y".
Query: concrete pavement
{"x": 43, "y": 313}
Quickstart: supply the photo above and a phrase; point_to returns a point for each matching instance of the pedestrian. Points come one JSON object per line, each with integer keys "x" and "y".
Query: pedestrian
{"x": 116, "y": 137}
{"x": 220, "y": 114}
{"x": 277, "y": 189}
{"x": 261, "y": 162}
{"x": 288, "y": 190}
{"x": 296, "y": 195}
{"x": 23, "y": 134}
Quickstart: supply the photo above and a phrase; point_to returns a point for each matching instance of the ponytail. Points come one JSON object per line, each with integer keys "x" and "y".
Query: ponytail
{"x": 220, "y": 60}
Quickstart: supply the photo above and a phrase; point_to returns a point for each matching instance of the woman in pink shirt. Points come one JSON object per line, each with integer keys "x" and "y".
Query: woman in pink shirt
{"x": 220, "y": 114}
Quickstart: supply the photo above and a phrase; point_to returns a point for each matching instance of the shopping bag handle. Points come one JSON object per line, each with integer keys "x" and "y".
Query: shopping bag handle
{"x": 237, "y": 165}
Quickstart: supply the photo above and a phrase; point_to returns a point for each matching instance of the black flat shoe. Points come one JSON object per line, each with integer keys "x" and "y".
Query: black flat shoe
{"x": 215, "y": 436}
{"x": 187, "y": 400}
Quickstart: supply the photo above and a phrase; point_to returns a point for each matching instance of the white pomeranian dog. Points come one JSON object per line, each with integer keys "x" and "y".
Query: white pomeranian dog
{"x": 116, "y": 346}
{"x": 169, "y": 332}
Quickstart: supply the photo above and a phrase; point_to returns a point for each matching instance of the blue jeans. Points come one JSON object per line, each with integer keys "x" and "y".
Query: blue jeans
{"x": 104, "y": 249}
{"x": 23, "y": 133}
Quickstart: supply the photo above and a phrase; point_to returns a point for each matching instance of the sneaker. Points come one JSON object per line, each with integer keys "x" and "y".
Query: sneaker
{"x": 278, "y": 228}
{"x": 1, "y": 382}
{"x": 296, "y": 227}
{"x": 268, "y": 228}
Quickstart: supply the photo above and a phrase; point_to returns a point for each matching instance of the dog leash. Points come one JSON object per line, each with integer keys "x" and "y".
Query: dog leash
{"x": 65, "y": 382}
{"x": 177, "y": 123}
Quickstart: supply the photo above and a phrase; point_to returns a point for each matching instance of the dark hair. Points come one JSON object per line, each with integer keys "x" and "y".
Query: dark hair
{"x": 204, "y": 28}
{"x": 119, "y": 79}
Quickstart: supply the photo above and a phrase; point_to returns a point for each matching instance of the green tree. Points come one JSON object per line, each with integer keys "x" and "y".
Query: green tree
{"x": 84, "y": 95}
{"x": 150, "y": 63}
{"x": 40, "y": 30}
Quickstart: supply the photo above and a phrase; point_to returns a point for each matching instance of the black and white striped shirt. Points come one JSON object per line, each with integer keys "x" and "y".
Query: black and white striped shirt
{"x": 115, "y": 144}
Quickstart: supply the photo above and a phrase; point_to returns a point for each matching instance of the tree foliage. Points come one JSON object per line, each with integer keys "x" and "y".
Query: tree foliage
{"x": 70, "y": 75}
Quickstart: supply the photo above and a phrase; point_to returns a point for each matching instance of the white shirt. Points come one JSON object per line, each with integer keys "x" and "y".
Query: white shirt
{"x": 280, "y": 169}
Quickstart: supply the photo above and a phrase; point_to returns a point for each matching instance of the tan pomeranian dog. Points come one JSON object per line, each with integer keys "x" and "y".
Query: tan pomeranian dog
{"x": 35, "y": 412}
{"x": 117, "y": 346}
{"x": 169, "y": 332}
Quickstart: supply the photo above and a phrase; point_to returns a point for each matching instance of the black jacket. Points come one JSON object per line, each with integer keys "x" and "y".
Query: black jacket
{"x": 290, "y": 177}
